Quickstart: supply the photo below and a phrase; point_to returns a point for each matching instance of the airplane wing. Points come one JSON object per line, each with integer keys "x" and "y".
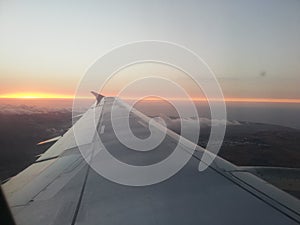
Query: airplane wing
{"x": 61, "y": 188}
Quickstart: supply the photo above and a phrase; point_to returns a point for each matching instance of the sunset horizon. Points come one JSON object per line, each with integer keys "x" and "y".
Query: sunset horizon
{"x": 150, "y": 112}
{"x": 48, "y": 95}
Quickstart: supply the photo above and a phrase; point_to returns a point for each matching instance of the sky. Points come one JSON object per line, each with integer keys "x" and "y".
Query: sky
{"x": 252, "y": 46}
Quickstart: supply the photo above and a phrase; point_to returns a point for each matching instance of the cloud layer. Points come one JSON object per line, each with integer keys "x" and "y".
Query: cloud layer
{"x": 174, "y": 124}
{"x": 28, "y": 110}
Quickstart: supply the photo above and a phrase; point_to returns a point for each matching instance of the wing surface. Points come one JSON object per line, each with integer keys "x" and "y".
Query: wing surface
{"x": 60, "y": 188}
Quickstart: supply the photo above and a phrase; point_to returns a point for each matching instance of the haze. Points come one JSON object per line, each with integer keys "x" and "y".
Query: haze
{"x": 252, "y": 46}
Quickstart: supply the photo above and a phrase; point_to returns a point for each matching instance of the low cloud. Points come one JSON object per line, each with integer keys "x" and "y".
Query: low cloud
{"x": 29, "y": 110}
{"x": 174, "y": 123}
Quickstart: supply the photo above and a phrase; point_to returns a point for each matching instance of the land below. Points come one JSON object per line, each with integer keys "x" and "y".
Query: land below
{"x": 245, "y": 144}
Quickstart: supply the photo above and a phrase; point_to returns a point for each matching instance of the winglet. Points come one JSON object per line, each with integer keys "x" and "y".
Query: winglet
{"x": 98, "y": 96}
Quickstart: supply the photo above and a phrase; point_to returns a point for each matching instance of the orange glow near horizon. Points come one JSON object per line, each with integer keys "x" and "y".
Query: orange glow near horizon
{"x": 263, "y": 100}
{"x": 40, "y": 95}
{"x": 36, "y": 95}
{"x": 250, "y": 100}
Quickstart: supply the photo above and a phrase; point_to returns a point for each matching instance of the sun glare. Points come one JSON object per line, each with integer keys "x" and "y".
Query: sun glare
{"x": 35, "y": 95}
{"x": 40, "y": 95}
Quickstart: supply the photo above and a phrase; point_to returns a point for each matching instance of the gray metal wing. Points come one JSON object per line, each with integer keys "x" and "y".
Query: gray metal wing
{"x": 60, "y": 188}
